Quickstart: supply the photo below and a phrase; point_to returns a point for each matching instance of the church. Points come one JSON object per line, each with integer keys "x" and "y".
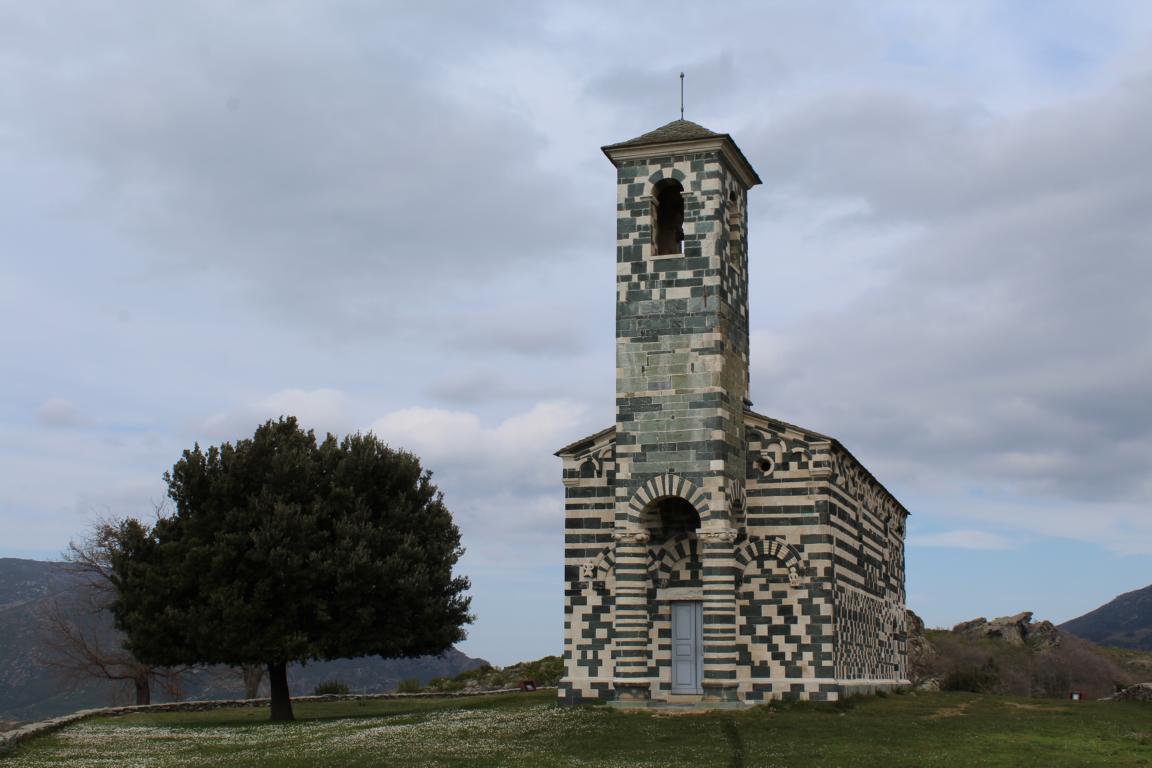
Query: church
{"x": 714, "y": 556}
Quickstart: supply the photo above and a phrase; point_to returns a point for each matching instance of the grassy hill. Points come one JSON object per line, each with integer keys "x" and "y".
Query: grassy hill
{"x": 945, "y": 729}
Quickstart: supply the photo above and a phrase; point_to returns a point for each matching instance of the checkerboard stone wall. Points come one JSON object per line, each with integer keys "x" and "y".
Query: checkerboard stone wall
{"x": 818, "y": 573}
{"x": 798, "y": 559}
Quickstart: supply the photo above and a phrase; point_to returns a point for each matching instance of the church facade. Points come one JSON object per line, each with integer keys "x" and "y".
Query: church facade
{"x": 713, "y": 554}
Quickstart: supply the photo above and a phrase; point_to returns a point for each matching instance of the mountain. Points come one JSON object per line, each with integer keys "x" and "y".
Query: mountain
{"x": 32, "y": 689}
{"x": 1125, "y": 622}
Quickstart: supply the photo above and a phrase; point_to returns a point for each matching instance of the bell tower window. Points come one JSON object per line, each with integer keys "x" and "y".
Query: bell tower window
{"x": 668, "y": 213}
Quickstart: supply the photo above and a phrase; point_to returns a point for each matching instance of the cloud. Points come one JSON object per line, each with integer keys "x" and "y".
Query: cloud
{"x": 961, "y": 539}
{"x": 501, "y": 480}
{"x": 471, "y": 389}
{"x": 541, "y": 337}
{"x": 57, "y": 412}
{"x": 515, "y": 449}
{"x": 1120, "y": 527}
{"x": 296, "y": 157}
{"x": 324, "y": 410}
{"x": 1002, "y": 346}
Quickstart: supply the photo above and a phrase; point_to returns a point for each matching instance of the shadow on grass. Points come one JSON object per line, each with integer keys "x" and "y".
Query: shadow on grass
{"x": 258, "y": 717}
{"x": 735, "y": 743}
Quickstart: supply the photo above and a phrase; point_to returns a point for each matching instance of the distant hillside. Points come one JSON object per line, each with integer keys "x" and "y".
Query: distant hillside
{"x": 31, "y": 690}
{"x": 1125, "y": 622}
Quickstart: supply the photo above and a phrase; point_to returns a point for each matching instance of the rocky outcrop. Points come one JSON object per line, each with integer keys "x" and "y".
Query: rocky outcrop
{"x": 920, "y": 652}
{"x": 1137, "y": 692}
{"x": 1017, "y": 656}
{"x": 1014, "y": 630}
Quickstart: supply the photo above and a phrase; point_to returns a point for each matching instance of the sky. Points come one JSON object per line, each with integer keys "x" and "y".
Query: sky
{"x": 396, "y": 217}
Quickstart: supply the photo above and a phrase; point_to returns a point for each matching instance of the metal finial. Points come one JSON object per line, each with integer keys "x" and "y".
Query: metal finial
{"x": 681, "y": 95}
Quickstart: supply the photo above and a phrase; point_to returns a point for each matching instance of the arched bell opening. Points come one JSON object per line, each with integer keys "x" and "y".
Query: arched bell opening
{"x": 668, "y": 215}
{"x": 671, "y": 516}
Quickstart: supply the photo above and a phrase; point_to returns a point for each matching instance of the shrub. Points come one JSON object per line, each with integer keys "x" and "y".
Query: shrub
{"x": 331, "y": 687}
{"x": 982, "y": 679}
{"x": 409, "y": 685}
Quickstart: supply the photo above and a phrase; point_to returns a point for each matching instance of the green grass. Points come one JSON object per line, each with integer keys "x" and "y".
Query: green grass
{"x": 530, "y": 730}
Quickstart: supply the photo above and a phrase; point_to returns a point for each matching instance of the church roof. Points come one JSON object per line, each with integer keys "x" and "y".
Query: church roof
{"x": 589, "y": 440}
{"x": 750, "y": 415}
{"x": 677, "y": 130}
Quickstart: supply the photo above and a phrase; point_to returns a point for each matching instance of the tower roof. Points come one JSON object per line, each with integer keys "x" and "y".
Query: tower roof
{"x": 677, "y": 130}
{"x": 687, "y": 136}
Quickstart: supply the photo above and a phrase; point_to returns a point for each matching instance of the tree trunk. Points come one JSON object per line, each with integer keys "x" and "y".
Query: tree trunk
{"x": 143, "y": 689}
{"x": 278, "y": 681}
{"x": 253, "y": 674}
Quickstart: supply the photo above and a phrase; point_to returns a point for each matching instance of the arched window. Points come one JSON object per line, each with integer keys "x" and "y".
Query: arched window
{"x": 668, "y": 216}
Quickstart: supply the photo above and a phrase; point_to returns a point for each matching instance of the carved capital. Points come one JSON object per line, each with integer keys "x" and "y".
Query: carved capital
{"x": 822, "y": 473}
{"x": 630, "y": 536}
{"x": 718, "y": 535}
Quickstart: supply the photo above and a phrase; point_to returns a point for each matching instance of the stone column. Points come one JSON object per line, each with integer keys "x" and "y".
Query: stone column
{"x": 632, "y": 626}
{"x": 719, "y": 562}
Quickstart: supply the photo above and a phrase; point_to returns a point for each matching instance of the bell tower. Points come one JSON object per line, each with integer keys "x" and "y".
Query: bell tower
{"x": 681, "y": 314}
{"x": 681, "y": 387}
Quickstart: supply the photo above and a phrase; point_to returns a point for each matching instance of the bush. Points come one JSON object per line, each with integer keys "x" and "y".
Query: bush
{"x": 445, "y": 684}
{"x": 409, "y": 685}
{"x": 983, "y": 679}
{"x": 331, "y": 687}
{"x": 544, "y": 672}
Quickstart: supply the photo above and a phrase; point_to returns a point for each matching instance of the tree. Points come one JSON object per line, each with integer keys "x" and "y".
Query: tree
{"x": 280, "y": 549}
{"x": 79, "y": 639}
{"x": 253, "y": 675}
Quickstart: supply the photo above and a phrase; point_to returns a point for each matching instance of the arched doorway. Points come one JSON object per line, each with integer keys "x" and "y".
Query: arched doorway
{"x": 673, "y": 523}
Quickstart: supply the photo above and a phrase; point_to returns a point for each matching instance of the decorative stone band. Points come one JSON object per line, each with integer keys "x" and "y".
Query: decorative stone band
{"x": 630, "y": 536}
{"x": 717, "y": 535}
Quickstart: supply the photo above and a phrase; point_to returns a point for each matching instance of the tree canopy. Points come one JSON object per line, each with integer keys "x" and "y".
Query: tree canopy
{"x": 282, "y": 549}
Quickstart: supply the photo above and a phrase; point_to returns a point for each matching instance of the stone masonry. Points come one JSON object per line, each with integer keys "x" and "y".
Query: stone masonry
{"x": 712, "y": 554}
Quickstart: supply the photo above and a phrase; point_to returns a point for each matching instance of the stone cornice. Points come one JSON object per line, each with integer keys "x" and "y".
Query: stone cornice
{"x": 723, "y": 144}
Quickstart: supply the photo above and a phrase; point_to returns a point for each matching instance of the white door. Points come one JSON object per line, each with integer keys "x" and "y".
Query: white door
{"x": 687, "y": 647}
